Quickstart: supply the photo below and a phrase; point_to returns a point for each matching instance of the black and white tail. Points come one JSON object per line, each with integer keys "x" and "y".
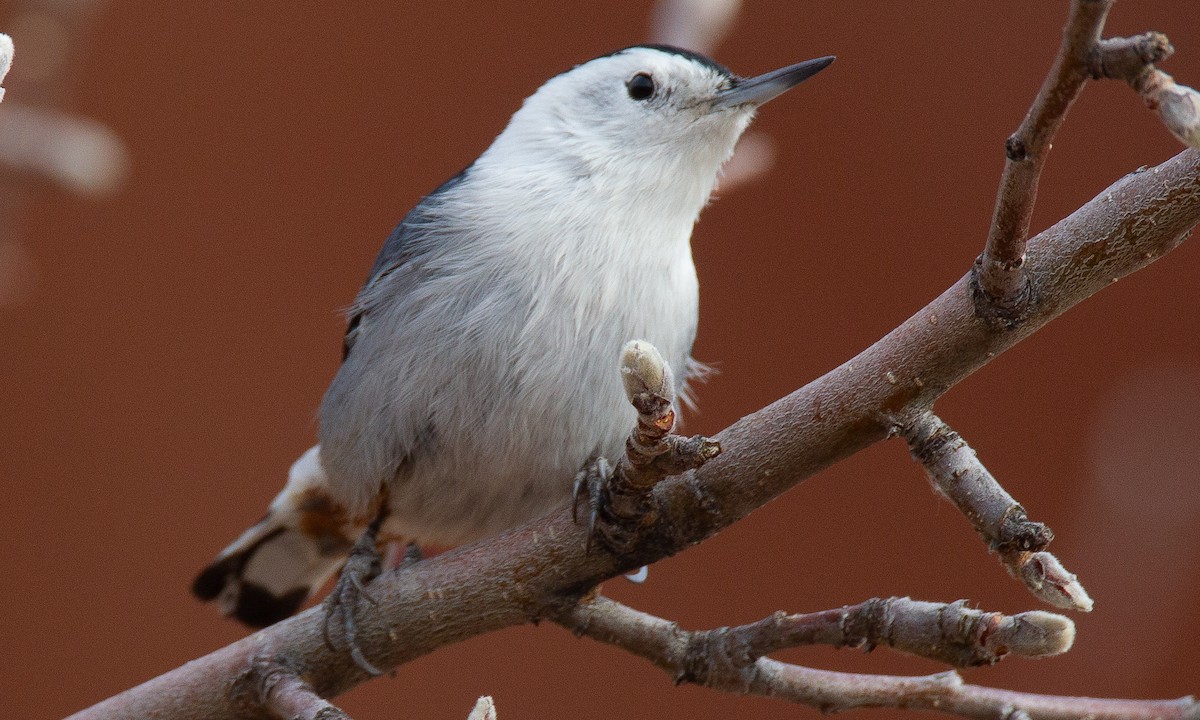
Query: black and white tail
{"x": 268, "y": 572}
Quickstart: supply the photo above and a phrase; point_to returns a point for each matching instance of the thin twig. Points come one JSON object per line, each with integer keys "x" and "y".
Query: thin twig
{"x": 1128, "y": 58}
{"x": 75, "y": 152}
{"x": 79, "y": 154}
{"x": 708, "y": 658}
{"x": 1133, "y": 60}
{"x": 282, "y": 693}
{"x": 698, "y": 25}
{"x": 701, "y": 25}
{"x": 957, "y": 474}
{"x": 950, "y": 633}
{"x": 1178, "y": 105}
{"x": 946, "y": 692}
{"x": 1001, "y": 279}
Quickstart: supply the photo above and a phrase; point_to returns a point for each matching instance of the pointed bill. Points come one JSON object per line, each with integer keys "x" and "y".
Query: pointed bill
{"x": 763, "y": 88}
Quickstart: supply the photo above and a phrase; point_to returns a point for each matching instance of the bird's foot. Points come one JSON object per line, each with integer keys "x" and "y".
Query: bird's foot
{"x": 412, "y": 556}
{"x": 590, "y": 485}
{"x": 343, "y": 601}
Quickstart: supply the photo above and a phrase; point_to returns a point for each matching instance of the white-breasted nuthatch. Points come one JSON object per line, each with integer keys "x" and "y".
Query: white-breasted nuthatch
{"x": 480, "y": 362}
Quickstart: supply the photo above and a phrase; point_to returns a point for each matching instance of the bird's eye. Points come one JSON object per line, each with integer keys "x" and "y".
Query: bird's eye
{"x": 640, "y": 86}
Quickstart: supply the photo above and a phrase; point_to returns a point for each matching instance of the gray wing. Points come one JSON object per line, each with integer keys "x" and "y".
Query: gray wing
{"x": 362, "y": 444}
{"x": 397, "y": 251}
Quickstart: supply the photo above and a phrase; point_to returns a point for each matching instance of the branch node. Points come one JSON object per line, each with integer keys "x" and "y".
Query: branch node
{"x": 1018, "y": 533}
{"x": 1128, "y": 58}
{"x": 1000, "y": 290}
{"x": 1014, "y": 149}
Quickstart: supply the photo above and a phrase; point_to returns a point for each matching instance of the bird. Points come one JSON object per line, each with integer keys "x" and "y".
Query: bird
{"x": 479, "y": 365}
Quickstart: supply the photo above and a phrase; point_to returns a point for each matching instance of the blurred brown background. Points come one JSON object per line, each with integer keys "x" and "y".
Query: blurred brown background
{"x": 165, "y": 353}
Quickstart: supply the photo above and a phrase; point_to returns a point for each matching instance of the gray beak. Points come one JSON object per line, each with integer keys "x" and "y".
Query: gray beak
{"x": 761, "y": 89}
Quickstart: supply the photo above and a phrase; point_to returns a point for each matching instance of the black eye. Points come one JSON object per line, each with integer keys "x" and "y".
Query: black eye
{"x": 640, "y": 86}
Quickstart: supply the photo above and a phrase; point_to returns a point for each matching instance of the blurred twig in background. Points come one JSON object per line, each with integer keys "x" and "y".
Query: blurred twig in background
{"x": 39, "y": 139}
{"x": 6, "y": 56}
{"x": 701, "y": 25}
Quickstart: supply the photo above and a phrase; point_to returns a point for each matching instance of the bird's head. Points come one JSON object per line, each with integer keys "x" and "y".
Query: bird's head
{"x": 643, "y": 115}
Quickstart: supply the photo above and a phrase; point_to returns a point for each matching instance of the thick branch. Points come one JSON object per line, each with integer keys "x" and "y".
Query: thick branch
{"x": 715, "y": 659}
{"x": 526, "y": 573}
{"x": 1001, "y": 279}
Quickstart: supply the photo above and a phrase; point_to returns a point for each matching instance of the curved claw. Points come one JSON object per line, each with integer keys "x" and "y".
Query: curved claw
{"x": 594, "y": 477}
{"x": 356, "y": 654}
{"x": 362, "y": 566}
{"x": 360, "y": 589}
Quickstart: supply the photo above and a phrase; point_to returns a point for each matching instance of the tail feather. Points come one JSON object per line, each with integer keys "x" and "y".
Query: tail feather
{"x": 267, "y": 573}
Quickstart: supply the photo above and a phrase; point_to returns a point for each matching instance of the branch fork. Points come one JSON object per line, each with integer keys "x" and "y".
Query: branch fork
{"x": 280, "y": 690}
{"x": 734, "y": 659}
{"x": 1001, "y": 288}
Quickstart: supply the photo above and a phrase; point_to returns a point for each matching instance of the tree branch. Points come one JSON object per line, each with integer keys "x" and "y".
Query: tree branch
{"x": 1133, "y": 60}
{"x": 1002, "y": 283}
{"x": 946, "y": 692}
{"x": 531, "y": 571}
{"x": 731, "y": 659}
{"x": 543, "y": 568}
{"x": 701, "y": 25}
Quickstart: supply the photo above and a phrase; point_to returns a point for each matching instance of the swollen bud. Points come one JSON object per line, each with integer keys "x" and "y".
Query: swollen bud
{"x": 1036, "y": 634}
{"x": 644, "y": 371}
{"x": 1177, "y": 105}
{"x": 1046, "y": 578}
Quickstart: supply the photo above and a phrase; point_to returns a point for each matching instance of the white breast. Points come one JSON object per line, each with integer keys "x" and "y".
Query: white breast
{"x": 525, "y": 359}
